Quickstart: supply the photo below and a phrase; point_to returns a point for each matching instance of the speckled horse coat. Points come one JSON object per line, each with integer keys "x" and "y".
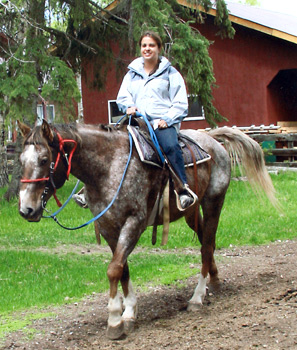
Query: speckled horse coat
{"x": 99, "y": 161}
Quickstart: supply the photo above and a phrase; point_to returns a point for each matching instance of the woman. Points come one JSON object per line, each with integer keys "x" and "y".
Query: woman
{"x": 157, "y": 90}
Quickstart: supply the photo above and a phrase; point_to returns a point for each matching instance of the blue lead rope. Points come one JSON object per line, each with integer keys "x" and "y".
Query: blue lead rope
{"x": 64, "y": 205}
{"x": 156, "y": 143}
{"x": 53, "y": 216}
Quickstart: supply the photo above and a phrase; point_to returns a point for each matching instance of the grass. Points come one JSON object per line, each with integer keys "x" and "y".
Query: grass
{"x": 245, "y": 219}
{"x": 36, "y": 272}
{"x": 32, "y": 278}
{"x": 11, "y": 323}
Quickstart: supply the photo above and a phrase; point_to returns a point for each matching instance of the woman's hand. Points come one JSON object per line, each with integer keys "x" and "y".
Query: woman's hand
{"x": 162, "y": 124}
{"x": 132, "y": 110}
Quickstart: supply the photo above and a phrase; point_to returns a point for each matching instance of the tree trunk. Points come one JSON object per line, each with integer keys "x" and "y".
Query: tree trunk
{"x": 14, "y": 186}
{"x": 3, "y": 167}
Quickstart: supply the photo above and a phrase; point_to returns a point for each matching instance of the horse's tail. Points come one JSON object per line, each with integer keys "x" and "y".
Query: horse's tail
{"x": 249, "y": 156}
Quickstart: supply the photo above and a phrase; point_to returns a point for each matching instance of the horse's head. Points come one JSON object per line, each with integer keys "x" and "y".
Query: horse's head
{"x": 40, "y": 169}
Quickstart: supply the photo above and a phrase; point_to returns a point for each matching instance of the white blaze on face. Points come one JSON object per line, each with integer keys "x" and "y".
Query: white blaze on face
{"x": 29, "y": 159}
{"x": 30, "y": 156}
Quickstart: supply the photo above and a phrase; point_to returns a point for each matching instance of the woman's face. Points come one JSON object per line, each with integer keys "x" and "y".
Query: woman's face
{"x": 149, "y": 50}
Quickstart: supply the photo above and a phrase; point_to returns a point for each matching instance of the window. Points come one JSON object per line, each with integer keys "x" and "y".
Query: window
{"x": 114, "y": 114}
{"x": 196, "y": 111}
{"x": 50, "y": 113}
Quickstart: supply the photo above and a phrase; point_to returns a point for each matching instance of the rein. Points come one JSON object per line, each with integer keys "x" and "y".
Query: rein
{"x": 61, "y": 148}
{"x": 53, "y": 216}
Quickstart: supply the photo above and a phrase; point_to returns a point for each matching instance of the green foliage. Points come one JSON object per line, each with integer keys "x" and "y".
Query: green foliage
{"x": 30, "y": 70}
{"x": 222, "y": 20}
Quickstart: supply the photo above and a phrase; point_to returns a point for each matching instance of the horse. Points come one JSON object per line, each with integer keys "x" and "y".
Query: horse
{"x": 97, "y": 155}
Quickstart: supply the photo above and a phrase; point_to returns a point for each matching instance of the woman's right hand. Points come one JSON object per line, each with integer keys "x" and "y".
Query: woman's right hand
{"x": 132, "y": 110}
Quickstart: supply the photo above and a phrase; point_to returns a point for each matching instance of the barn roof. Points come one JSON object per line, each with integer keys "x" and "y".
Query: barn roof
{"x": 273, "y": 23}
{"x": 270, "y": 19}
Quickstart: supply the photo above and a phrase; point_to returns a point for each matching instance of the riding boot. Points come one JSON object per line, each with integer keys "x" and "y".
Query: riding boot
{"x": 186, "y": 198}
{"x": 80, "y": 199}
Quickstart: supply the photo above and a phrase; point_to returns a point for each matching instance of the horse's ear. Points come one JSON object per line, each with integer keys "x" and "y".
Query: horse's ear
{"x": 47, "y": 131}
{"x": 25, "y": 129}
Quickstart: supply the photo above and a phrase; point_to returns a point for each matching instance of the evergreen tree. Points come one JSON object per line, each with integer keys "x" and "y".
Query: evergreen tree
{"x": 43, "y": 43}
{"x": 46, "y": 41}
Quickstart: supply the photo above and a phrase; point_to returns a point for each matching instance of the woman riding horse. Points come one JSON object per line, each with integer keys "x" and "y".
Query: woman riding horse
{"x": 157, "y": 90}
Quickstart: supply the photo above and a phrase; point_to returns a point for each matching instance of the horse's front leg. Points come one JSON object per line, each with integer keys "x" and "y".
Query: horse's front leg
{"x": 130, "y": 302}
{"x": 118, "y": 270}
{"x": 115, "y": 324}
{"x": 118, "y": 323}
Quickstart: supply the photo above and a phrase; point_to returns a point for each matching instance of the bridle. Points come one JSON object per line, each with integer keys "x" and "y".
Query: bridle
{"x": 53, "y": 166}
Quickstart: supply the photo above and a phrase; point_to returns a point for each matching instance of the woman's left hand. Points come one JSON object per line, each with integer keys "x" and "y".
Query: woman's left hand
{"x": 162, "y": 124}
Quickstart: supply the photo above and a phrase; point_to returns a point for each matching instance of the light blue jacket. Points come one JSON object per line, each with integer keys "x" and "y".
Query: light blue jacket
{"x": 161, "y": 95}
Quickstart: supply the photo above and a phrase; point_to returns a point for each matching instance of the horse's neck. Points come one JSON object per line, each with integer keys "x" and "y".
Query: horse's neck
{"x": 96, "y": 151}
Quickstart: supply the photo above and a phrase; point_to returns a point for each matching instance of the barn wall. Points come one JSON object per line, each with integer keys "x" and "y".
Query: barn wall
{"x": 243, "y": 67}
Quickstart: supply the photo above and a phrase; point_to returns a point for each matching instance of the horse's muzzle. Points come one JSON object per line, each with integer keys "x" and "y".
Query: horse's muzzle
{"x": 30, "y": 214}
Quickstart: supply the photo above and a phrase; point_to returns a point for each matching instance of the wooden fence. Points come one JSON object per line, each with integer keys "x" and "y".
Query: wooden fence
{"x": 10, "y": 147}
{"x": 280, "y": 148}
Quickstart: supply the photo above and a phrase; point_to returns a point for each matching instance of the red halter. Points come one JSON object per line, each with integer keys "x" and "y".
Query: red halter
{"x": 52, "y": 170}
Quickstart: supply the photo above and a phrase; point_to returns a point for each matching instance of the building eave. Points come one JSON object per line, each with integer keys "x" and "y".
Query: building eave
{"x": 245, "y": 23}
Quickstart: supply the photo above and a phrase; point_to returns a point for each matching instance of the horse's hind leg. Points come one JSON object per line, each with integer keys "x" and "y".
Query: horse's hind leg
{"x": 211, "y": 210}
{"x": 195, "y": 222}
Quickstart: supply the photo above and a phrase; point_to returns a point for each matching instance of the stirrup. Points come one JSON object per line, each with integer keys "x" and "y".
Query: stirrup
{"x": 186, "y": 199}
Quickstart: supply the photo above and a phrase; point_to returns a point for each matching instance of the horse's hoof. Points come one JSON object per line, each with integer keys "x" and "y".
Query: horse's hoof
{"x": 116, "y": 332}
{"x": 129, "y": 325}
{"x": 192, "y": 307}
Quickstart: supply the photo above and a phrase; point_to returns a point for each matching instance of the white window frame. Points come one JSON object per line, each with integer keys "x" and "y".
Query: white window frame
{"x": 110, "y": 110}
{"x": 50, "y": 113}
{"x": 198, "y": 117}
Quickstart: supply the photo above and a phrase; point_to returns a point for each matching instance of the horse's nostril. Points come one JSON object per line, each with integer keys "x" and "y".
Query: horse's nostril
{"x": 26, "y": 212}
{"x": 29, "y": 211}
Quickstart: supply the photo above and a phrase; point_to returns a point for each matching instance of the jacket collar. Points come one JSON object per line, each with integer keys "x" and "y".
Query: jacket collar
{"x": 137, "y": 66}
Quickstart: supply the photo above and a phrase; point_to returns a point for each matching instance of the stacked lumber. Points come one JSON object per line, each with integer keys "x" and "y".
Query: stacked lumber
{"x": 288, "y": 127}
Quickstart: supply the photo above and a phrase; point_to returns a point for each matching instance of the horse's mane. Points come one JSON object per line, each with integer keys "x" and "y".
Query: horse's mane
{"x": 65, "y": 130}
{"x": 113, "y": 128}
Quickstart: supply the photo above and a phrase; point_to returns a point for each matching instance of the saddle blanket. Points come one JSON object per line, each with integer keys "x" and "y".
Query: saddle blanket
{"x": 148, "y": 153}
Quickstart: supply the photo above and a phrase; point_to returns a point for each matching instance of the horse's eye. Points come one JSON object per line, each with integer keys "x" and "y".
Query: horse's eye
{"x": 43, "y": 161}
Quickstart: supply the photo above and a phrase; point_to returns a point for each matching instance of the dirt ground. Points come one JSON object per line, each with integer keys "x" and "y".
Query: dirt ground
{"x": 256, "y": 308}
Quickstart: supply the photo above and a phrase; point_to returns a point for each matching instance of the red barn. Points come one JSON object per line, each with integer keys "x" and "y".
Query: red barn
{"x": 256, "y": 72}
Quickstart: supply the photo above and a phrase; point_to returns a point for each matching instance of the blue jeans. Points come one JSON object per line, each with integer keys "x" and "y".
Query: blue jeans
{"x": 168, "y": 141}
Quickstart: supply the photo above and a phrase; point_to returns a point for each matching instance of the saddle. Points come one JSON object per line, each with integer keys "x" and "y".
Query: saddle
{"x": 148, "y": 153}
{"x": 193, "y": 154}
